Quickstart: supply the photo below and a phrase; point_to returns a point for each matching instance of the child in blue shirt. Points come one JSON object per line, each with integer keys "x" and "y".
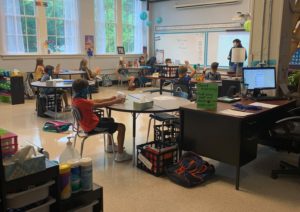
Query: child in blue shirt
{"x": 213, "y": 74}
{"x": 48, "y": 72}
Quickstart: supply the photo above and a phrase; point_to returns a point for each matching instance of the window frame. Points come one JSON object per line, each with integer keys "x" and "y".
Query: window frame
{"x": 119, "y": 32}
{"x": 41, "y": 37}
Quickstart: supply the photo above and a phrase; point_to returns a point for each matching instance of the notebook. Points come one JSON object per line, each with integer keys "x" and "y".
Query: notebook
{"x": 228, "y": 99}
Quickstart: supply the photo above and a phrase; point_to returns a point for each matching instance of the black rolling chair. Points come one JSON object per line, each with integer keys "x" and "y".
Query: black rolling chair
{"x": 84, "y": 135}
{"x": 285, "y": 135}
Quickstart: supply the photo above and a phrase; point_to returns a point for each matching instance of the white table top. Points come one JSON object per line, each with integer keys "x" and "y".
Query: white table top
{"x": 162, "y": 103}
{"x": 62, "y": 84}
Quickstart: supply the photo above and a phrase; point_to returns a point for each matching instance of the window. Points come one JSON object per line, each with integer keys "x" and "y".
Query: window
{"x": 55, "y": 25}
{"x": 62, "y": 26}
{"x": 60, "y": 31}
{"x": 132, "y": 26}
{"x": 20, "y": 26}
{"x": 106, "y": 26}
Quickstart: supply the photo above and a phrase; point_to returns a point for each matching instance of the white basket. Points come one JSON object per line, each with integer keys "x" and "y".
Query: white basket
{"x": 44, "y": 207}
{"x": 86, "y": 208}
{"x": 24, "y": 198}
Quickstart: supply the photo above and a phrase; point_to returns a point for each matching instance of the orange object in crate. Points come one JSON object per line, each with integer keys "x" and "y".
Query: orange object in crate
{"x": 9, "y": 143}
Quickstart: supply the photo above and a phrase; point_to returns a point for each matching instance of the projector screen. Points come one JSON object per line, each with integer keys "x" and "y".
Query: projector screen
{"x": 180, "y": 47}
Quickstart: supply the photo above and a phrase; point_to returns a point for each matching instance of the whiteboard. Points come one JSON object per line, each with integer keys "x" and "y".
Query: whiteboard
{"x": 180, "y": 47}
{"x": 220, "y": 43}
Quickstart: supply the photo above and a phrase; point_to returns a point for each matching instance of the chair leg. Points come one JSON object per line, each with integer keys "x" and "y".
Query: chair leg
{"x": 75, "y": 140}
{"x": 162, "y": 131}
{"x": 150, "y": 120}
{"x": 82, "y": 144}
{"x": 105, "y": 144}
{"x": 113, "y": 148}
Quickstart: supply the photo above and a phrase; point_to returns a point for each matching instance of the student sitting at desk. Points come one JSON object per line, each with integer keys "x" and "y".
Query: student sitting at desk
{"x": 168, "y": 61}
{"x": 39, "y": 69}
{"x": 185, "y": 77}
{"x": 90, "y": 75}
{"x": 142, "y": 61}
{"x": 213, "y": 74}
{"x": 121, "y": 71}
{"x": 183, "y": 74}
{"x": 48, "y": 72}
{"x": 90, "y": 120}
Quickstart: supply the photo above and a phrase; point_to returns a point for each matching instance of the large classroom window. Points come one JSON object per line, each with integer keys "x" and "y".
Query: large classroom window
{"x": 108, "y": 25}
{"x": 23, "y": 21}
{"x": 132, "y": 28}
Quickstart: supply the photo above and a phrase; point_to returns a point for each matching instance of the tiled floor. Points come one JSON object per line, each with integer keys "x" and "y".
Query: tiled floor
{"x": 127, "y": 188}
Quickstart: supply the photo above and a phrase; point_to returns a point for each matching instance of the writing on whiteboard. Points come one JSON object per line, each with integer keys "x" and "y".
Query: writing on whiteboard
{"x": 182, "y": 46}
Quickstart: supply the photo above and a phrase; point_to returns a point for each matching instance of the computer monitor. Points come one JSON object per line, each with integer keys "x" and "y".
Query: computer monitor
{"x": 259, "y": 78}
{"x": 230, "y": 87}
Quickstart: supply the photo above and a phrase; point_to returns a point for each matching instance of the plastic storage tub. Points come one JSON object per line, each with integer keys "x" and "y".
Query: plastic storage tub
{"x": 21, "y": 199}
{"x": 44, "y": 207}
{"x": 86, "y": 208}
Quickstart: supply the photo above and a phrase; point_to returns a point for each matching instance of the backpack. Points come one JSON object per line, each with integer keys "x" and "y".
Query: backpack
{"x": 27, "y": 88}
{"x": 190, "y": 171}
{"x": 56, "y": 126}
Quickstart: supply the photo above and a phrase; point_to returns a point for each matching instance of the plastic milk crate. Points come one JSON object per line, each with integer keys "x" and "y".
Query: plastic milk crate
{"x": 8, "y": 142}
{"x": 154, "y": 157}
{"x": 51, "y": 102}
{"x": 167, "y": 133}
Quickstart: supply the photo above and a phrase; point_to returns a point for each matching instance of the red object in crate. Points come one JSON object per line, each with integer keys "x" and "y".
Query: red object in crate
{"x": 9, "y": 143}
{"x": 155, "y": 156}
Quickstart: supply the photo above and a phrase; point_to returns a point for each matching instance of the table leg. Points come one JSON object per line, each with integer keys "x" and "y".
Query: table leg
{"x": 55, "y": 105}
{"x": 133, "y": 137}
{"x": 237, "y": 177}
{"x": 108, "y": 112}
{"x": 37, "y": 99}
{"x": 161, "y": 86}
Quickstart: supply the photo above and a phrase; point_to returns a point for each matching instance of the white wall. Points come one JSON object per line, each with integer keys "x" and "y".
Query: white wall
{"x": 105, "y": 62}
{"x": 198, "y": 15}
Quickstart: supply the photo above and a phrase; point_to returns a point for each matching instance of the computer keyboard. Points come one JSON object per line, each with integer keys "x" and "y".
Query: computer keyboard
{"x": 268, "y": 98}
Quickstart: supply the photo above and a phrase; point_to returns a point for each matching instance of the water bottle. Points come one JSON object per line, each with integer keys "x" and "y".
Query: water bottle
{"x": 69, "y": 153}
{"x": 198, "y": 68}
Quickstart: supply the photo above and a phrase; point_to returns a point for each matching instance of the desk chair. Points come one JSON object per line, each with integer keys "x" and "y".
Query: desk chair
{"x": 294, "y": 95}
{"x": 167, "y": 118}
{"x": 84, "y": 135}
{"x": 123, "y": 73}
{"x": 285, "y": 135}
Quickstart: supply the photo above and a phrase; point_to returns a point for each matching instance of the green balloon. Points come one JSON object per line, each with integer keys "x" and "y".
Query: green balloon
{"x": 247, "y": 25}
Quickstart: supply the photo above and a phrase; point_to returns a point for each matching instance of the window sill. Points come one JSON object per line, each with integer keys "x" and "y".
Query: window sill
{"x": 31, "y": 56}
{"x": 63, "y": 56}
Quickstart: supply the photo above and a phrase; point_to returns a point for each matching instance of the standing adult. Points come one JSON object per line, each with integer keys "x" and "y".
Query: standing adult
{"x": 234, "y": 66}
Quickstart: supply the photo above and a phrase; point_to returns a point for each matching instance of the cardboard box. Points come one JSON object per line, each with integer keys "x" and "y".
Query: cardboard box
{"x": 50, "y": 83}
{"x": 142, "y": 105}
{"x": 16, "y": 169}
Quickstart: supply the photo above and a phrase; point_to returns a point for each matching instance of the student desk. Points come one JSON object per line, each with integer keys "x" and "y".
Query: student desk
{"x": 161, "y": 83}
{"x": 161, "y": 104}
{"x": 227, "y": 138}
{"x": 58, "y": 85}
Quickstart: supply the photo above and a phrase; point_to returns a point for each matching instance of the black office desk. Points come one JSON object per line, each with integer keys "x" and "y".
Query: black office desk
{"x": 226, "y": 138}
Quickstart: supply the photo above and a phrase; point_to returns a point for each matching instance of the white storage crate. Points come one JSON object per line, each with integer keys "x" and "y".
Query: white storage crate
{"x": 44, "y": 207}
{"x": 24, "y": 198}
{"x": 86, "y": 208}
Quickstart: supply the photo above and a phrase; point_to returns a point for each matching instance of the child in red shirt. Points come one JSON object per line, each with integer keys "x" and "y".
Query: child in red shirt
{"x": 90, "y": 120}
